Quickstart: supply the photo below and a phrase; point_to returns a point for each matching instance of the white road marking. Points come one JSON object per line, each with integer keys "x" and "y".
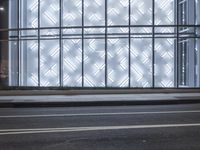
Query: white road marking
{"x": 101, "y": 114}
{"x": 98, "y": 128}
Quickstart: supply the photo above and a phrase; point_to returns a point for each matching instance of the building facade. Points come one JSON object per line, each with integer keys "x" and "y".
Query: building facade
{"x": 100, "y": 43}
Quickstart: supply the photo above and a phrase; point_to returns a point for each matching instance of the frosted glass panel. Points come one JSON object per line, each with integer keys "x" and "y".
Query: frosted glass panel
{"x": 118, "y": 12}
{"x": 29, "y": 70}
{"x": 72, "y": 12}
{"x": 94, "y": 12}
{"x": 49, "y": 62}
{"x": 29, "y": 13}
{"x": 72, "y": 62}
{"x": 13, "y": 63}
{"x": 164, "y": 12}
{"x": 118, "y": 62}
{"x": 141, "y": 62}
{"x": 49, "y": 10}
{"x": 141, "y": 12}
{"x": 164, "y": 62}
{"x": 94, "y": 63}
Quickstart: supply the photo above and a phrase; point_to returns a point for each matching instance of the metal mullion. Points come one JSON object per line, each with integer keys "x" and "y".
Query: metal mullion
{"x": 39, "y": 43}
{"x": 18, "y": 42}
{"x": 106, "y": 51}
{"x": 153, "y": 43}
{"x": 195, "y": 43}
{"x": 82, "y": 43}
{"x": 121, "y": 37}
{"x": 177, "y": 44}
{"x": 61, "y": 45}
{"x": 129, "y": 42}
{"x": 111, "y": 26}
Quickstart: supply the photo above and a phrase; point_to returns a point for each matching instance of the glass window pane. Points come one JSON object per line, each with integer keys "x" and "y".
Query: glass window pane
{"x": 49, "y": 11}
{"x": 141, "y": 62}
{"x": 118, "y": 12}
{"x": 164, "y": 12}
{"x": 72, "y": 63}
{"x": 164, "y": 62}
{"x": 118, "y": 32}
{"x": 72, "y": 33}
{"x": 165, "y": 32}
{"x": 13, "y": 63}
{"x": 29, "y": 13}
{"x": 118, "y": 62}
{"x": 72, "y": 13}
{"x": 13, "y": 14}
{"x": 94, "y": 33}
{"x": 29, "y": 63}
{"x": 94, "y": 12}
{"x": 94, "y": 63}
{"x": 141, "y": 12}
{"x": 49, "y": 62}
{"x": 141, "y": 32}
{"x": 49, "y": 33}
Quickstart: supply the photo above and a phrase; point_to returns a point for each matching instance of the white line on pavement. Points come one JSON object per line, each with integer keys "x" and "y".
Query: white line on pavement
{"x": 101, "y": 114}
{"x": 80, "y": 129}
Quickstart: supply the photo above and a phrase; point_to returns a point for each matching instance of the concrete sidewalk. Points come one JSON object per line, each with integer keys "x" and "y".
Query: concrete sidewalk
{"x": 98, "y": 100}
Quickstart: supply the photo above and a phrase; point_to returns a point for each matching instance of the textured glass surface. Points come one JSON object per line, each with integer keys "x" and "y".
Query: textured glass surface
{"x": 164, "y": 62}
{"x": 141, "y": 62}
{"x": 94, "y": 32}
{"x": 118, "y": 32}
{"x": 94, "y": 12}
{"x": 49, "y": 62}
{"x": 118, "y": 12}
{"x": 72, "y": 63}
{"x": 49, "y": 10}
{"x": 164, "y": 12}
{"x": 141, "y": 32}
{"x": 165, "y": 32}
{"x": 29, "y": 18}
{"x": 141, "y": 12}
{"x": 13, "y": 14}
{"x": 72, "y": 33}
{"x": 72, "y": 13}
{"x": 29, "y": 34}
{"x": 49, "y": 33}
{"x": 118, "y": 63}
{"x": 94, "y": 63}
{"x": 13, "y": 63}
{"x": 29, "y": 13}
{"x": 29, "y": 69}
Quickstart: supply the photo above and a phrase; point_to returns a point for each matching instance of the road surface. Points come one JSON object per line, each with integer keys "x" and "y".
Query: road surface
{"x": 160, "y": 127}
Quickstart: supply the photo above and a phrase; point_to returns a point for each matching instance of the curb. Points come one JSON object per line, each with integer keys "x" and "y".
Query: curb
{"x": 96, "y": 103}
{"x": 29, "y": 92}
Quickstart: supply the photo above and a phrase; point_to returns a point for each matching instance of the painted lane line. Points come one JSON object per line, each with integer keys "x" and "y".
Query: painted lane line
{"x": 100, "y": 114}
{"x": 100, "y": 128}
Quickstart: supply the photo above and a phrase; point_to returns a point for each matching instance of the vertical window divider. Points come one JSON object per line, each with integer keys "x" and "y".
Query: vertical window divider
{"x": 153, "y": 44}
{"x": 39, "y": 43}
{"x": 61, "y": 44}
{"x": 18, "y": 42}
{"x": 106, "y": 45}
{"x": 129, "y": 42}
{"x": 82, "y": 43}
{"x": 195, "y": 43}
{"x": 177, "y": 44}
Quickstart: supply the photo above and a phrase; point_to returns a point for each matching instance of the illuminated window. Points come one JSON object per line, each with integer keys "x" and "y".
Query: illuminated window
{"x": 104, "y": 43}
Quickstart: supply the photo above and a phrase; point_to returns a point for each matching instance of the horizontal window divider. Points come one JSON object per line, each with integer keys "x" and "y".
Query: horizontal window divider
{"x": 96, "y": 27}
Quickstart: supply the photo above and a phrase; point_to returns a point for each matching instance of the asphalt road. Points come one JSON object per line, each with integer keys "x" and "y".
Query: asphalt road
{"x": 169, "y": 127}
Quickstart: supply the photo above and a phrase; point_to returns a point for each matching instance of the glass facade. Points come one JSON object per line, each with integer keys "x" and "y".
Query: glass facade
{"x": 100, "y": 43}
